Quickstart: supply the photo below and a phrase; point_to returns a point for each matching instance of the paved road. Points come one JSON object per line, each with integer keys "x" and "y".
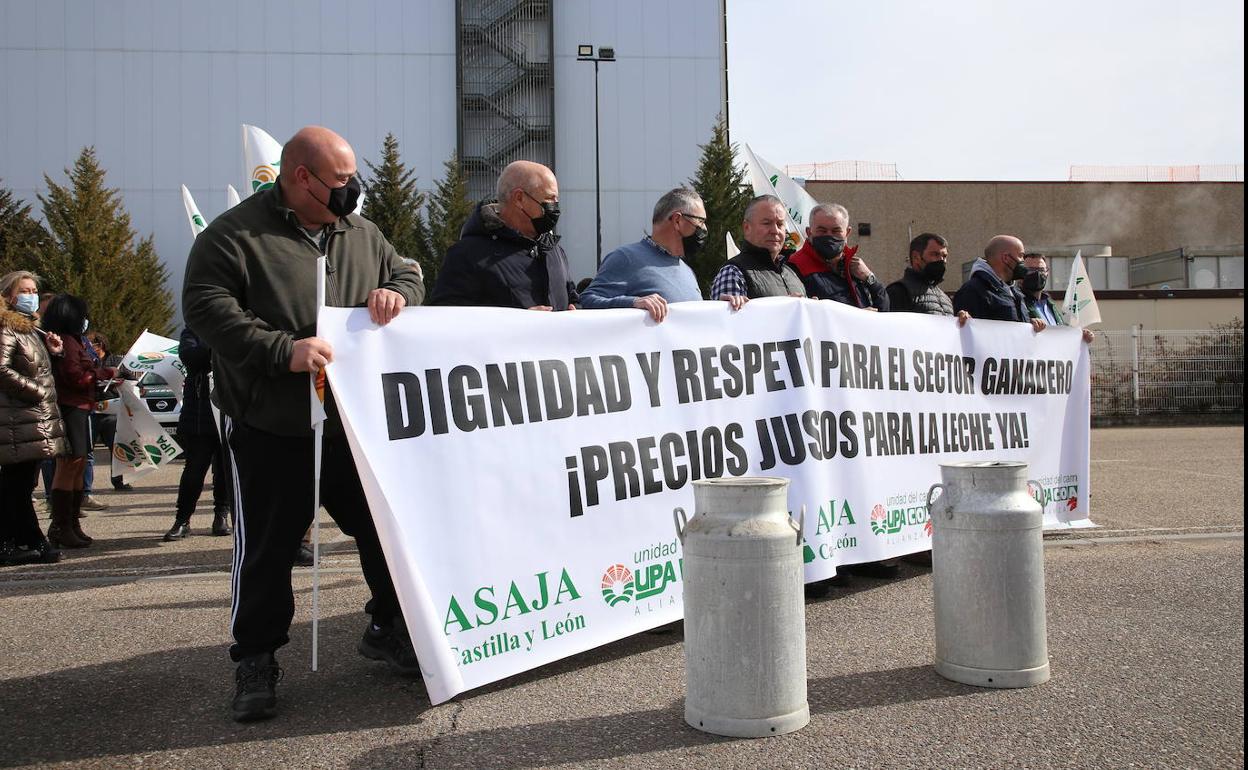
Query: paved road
{"x": 115, "y": 657}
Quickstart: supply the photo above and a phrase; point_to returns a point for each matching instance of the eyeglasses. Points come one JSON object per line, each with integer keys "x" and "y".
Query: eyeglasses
{"x": 697, "y": 219}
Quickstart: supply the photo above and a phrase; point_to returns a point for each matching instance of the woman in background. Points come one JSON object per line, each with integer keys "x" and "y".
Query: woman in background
{"x": 30, "y": 422}
{"x": 77, "y": 371}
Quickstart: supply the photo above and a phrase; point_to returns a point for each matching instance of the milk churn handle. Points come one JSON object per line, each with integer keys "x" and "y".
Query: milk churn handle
{"x": 800, "y": 526}
{"x": 678, "y": 514}
{"x": 948, "y": 508}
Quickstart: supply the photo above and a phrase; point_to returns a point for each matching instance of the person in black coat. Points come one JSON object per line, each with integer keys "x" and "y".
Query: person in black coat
{"x": 990, "y": 292}
{"x": 507, "y": 254}
{"x": 201, "y": 443}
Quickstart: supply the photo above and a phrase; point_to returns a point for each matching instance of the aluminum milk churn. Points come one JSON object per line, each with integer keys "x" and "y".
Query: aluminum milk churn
{"x": 745, "y": 616}
{"x": 988, "y": 576}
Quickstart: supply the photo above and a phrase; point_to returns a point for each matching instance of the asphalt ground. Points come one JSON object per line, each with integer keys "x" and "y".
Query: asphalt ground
{"x": 116, "y": 656}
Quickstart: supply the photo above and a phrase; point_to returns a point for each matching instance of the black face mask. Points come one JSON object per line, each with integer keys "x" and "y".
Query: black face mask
{"x": 341, "y": 200}
{"x": 1034, "y": 282}
{"x": 693, "y": 242}
{"x": 1020, "y": 271}
{"x": 934, "y": 272}
{"x": 828, "y": 246}
{"x": 549, "y": 218}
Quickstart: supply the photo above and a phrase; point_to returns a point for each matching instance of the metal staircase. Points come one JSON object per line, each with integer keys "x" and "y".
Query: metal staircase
{"x": 506, "y": 99}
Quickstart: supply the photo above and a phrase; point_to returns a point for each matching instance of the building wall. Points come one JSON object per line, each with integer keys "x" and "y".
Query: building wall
{"x": 1169, "y": 312}
{"x": 1135, "y": 218}
{"x": 161, "y": 87}
{"x": 657, "y": 103}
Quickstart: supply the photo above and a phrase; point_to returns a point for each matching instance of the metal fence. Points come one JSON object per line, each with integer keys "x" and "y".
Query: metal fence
{"x": 1143, "y": 373}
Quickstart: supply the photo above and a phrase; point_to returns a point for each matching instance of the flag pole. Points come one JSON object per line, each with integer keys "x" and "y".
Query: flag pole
{"x": 318, "y": 422}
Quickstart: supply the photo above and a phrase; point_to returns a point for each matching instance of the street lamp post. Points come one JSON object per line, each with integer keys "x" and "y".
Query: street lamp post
{"x": 605, "y": 54}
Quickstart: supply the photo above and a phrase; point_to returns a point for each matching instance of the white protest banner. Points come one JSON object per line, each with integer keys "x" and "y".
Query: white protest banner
{"x": 157, "y": 354}
{"x": 769, "y": 180}
{"x": 141, "y": 445}
{"x": 192, "y": 213}
{"x": 262, "y": 157}
{"x": 1079, "y": 305}
{"x": 522, "y": 467}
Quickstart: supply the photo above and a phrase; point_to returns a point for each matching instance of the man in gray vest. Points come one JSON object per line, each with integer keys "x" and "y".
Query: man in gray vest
{"x": 760, "y": 270}
{"x": 918, "y": 290}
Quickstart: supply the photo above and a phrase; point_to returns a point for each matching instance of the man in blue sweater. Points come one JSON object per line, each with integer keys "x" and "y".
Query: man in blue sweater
{"x": 652, "y": 272}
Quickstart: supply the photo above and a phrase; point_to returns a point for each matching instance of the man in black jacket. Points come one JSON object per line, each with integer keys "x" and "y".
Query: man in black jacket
{"x": 990, "y": 291}
{"x": 250, "y": 294}
{"x": 918, "y": 290}
{"x": 507, "y": 254}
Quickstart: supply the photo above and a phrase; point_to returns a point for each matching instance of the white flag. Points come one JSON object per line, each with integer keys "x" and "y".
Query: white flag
{"x": 192, "y": 213}
{"x": 262, "y": 157}
{"x": 1080, "y": 307}
{"x": 732, "y": 246}
{"x": 141, "y": 445}
{"x": 769, "y": 180}
{"x": 231, "y": 197}
{"x": 159, "y": 355}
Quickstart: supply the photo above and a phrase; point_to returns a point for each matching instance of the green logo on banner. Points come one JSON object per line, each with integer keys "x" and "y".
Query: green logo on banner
{"x": 617, "y": 585}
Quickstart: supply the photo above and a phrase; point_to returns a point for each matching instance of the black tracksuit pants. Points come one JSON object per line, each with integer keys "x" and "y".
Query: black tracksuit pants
{"x": 272, "y": 510}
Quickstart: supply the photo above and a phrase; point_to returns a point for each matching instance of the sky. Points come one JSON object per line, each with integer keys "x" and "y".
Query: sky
{"x": 988, "y": 89}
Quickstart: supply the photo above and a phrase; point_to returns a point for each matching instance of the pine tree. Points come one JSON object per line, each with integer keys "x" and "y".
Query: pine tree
{"x": 725, "y": 193}
{"x": 22, "y": 237}
{"x": 449, "y": 209}
{"x": 94, "y": 253}
{"x": 394, "y": 205}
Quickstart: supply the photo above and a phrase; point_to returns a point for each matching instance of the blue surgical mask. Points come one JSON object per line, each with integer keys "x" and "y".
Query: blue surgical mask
{"x": 27, "y": 303}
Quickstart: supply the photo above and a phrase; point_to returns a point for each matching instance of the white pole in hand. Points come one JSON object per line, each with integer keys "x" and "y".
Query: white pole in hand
{"x": 318, "y": 421}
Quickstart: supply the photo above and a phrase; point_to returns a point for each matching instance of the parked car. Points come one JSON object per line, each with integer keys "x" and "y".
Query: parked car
{"x": 157, "y": 396}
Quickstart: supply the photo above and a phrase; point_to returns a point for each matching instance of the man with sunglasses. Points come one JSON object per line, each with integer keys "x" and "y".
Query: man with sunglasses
{"x": 653, "y": 272}
{"x": 507, "y": 254}
{"x": 250, "y": 295}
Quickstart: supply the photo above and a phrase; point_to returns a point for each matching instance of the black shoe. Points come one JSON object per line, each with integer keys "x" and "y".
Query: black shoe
{"x": 179, "y": 530}
{"x": 304, "y": 557}
{"x": 889, "y": 569}
{"x": 48, "y": 553}
{"x": 221, "y": 524}
{"x": 11, "y": 555}
{"x": 391, "y": 644}
{"x": 256, "y": 695}
{"x": 120, "y": 485}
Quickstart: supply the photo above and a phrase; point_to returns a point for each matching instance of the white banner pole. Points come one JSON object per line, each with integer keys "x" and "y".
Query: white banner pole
{"x": 318, "y": 423}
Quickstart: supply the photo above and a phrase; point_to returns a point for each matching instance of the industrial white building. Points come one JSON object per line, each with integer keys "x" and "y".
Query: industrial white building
{"x": 161, "y": 87}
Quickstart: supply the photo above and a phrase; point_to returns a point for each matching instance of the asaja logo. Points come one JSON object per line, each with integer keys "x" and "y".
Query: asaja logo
{"x": 617, "y": 585}
{"x": 263, "y": 176}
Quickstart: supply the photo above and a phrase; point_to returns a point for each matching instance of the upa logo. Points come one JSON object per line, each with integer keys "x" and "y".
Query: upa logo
{"x": 263, "y": 176}
{"x": 893, "y": 520}
{"x": 617, "y": 585}
{"x": 198, "y": 219}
